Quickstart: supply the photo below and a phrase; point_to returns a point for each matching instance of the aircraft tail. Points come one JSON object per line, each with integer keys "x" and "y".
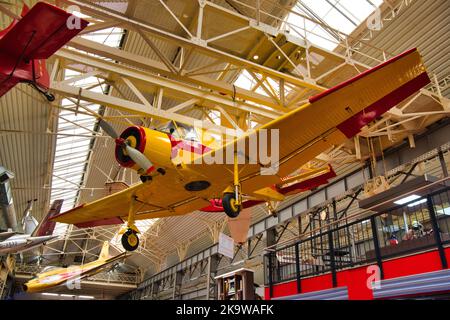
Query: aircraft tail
{"x": 104, "y": 254}
{"x": 46, "y": 226}
{"x": 29, "y": 223}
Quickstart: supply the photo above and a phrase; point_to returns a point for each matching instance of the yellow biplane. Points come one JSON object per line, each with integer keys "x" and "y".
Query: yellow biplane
{"x": 174, "y": 185}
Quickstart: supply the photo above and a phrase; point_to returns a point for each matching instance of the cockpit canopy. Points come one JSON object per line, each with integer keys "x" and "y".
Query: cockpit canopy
{"x": 49, "y": 268}
{"x": 180, "y": 131}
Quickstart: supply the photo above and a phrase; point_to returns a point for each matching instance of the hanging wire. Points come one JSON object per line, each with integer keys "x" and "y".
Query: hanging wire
{"x": 382, "y": 156}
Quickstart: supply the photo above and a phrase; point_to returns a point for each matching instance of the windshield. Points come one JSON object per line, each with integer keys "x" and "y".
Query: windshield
{"x": 180, "y": 131}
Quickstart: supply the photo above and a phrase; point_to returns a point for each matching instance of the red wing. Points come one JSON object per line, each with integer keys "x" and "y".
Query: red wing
{"x": 7, "y": 84}
{"x": 40, "y": 33}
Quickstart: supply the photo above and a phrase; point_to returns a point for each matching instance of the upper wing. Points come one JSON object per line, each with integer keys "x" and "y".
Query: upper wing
{"x": 326, "y": 121}
{"x": 40, "y": 33}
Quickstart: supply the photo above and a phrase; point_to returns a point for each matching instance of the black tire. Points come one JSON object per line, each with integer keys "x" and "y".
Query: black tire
{"x": 227, "y": 202}
{"x": 130, "y": 236}
{"x": 50, "y": 97}
{"x": 144, "y": 179}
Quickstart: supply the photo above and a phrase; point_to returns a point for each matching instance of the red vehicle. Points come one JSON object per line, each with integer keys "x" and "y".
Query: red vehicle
{"x": 28, "y": 42}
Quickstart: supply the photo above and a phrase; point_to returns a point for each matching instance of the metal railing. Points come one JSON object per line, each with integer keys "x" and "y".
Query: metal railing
{"x": 405, "y": 230}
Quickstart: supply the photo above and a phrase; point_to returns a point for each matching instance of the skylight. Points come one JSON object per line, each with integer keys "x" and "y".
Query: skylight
{"x": 343, "y": 16}
{"x": 407, "y": 199}
{"x": 77, "y": 130}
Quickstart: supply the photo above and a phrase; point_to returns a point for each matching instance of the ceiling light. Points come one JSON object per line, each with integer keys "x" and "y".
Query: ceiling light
{"x": 86, "y": 297}
{"x": 407, "y": 199}
{"x": 445, "y": 211}
{"x": 67, "y": 295}
{"x": 255, "y": 57}
{"x": 50, "y": 294}
{"x": 405, "y": 193}
{"x": 417, "y": 203}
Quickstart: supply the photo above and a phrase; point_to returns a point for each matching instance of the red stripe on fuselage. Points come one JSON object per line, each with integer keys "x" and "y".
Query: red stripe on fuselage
{"x": 186, "y": 145}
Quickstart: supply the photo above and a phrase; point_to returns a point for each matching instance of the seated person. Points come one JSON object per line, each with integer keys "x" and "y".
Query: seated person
{"x": 409, "y": 235}
{"x": 417, "y": 228}
{"x": 393, "y": 241}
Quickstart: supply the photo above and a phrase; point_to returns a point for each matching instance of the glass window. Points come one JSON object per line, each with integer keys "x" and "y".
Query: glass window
{"x": 353, "y": 244}
{"x": 442, "y": 209}
{"x": 405, "y": 229}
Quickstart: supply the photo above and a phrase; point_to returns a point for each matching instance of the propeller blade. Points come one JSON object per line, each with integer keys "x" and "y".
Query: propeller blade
{"x": 140, "y": 159}
{"x": 108, "y": 129}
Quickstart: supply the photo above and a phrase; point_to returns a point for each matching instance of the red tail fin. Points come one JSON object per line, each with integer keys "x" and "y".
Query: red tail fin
{"x": 46, "y": 227}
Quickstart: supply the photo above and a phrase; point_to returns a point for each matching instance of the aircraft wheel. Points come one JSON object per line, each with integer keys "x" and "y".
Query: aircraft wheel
{"x": 130, "y": 240}
{"x": 50, "y": 97}
{"x": 229, "y": 205}
{"x": 144, "y": 179}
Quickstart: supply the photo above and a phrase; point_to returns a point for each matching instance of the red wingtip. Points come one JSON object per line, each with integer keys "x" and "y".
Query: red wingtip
{"x": 25, "y": 10}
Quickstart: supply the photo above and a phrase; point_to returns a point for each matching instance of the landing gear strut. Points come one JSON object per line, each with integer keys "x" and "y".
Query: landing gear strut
{"x": 130, "y": 240}
{"x": 232, "y": 201}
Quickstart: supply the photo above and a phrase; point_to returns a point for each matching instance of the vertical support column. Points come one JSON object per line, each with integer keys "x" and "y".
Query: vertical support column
{"x": 155, "y": 287}
{"x": 443, "y": 164}
{"x": 201, "y": 5}
{"x": 297, "y": 268}
{"x": 377, "y": 245}
{"x": 332, "y": 259}
{"x": 271, "y": 239}
{"x": 211, "y": 288}
{"x": 177, "y": 285}
{"x": 437, "y": 233}
{"x": 3, "y": 278}
{"x": 270, "y": 263}
{"x": 258, "y": 12}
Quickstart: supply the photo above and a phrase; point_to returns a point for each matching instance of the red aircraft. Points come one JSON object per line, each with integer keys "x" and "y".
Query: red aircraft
{"x": 29, "y": 41}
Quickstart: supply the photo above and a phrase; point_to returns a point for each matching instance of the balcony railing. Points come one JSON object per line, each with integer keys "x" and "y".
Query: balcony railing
{"x": 408, "y": 229}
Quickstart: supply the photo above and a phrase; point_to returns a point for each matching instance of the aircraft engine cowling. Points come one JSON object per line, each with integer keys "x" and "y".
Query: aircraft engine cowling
{"x": 155, "y": 145}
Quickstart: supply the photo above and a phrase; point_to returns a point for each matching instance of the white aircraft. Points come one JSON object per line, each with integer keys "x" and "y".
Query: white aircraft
{"x": 34, "y": 234}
